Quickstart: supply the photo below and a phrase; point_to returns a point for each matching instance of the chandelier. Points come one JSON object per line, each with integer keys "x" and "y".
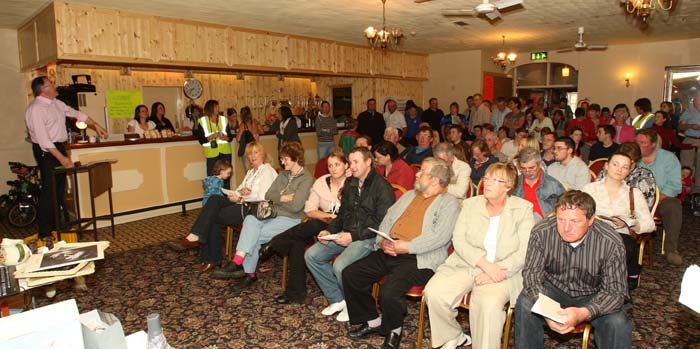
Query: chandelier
{"x": 643, "y": 8}
{"x": 502, "y": 59}
{"x": 383, "y": 38}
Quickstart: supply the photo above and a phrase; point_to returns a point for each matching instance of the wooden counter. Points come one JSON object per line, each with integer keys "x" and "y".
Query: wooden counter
{"x": 157, "y": 172}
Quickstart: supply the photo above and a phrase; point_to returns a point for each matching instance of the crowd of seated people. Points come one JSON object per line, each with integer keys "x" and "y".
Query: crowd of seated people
{"x": 539, "y": 212}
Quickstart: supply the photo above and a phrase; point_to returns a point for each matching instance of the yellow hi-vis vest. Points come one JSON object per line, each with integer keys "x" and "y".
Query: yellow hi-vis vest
{"x": 223, "y": 146}
{"x": 641, "y": 119}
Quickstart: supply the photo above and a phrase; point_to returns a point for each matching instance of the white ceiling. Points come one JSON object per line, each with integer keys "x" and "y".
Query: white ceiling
{"x": 538, "y": 24}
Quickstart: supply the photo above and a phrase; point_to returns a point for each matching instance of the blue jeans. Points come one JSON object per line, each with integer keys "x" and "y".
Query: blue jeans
{"x": 256, "y": 232}
{"x": 330, "y": 277}
{"x": 612, "y": 331}
{"x": 324, "y": 149}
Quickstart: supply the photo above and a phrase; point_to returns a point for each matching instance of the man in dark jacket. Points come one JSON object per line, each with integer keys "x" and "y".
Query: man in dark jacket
{"x": 366, "y": 198}
{"x": 371, "y": 123}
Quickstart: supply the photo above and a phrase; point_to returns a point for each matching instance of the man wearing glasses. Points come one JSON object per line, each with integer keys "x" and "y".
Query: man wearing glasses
{"x": 416, "y": 155}
{"x": 535, "y": 186}
{"x": 570, "y": 170}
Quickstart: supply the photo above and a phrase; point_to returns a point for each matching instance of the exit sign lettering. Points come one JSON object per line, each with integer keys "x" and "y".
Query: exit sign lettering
{"x": 538, "y": 56}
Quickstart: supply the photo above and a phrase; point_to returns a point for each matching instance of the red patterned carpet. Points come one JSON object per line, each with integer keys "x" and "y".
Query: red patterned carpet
{"x": 140, "y": 276}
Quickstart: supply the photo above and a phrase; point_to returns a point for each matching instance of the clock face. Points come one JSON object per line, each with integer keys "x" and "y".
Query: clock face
{"x": 193, "y": 88}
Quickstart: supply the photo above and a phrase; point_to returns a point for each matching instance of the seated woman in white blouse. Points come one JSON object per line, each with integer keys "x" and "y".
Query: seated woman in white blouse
{"x": 227, "y": 210}
{"x": 140, "y": 123}
{"x": 612, "y": 199}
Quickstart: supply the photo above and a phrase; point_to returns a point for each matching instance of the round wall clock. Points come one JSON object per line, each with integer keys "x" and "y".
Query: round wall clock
{"x": 192, "y": 88}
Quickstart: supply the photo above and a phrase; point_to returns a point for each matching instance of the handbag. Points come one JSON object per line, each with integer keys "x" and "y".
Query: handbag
{"x": 262, "y": 210}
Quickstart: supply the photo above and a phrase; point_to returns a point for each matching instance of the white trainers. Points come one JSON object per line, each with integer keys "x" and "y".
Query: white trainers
{"x": 459, "y": 341}
{"x": 333, "y": 308}
{"x": 343, "y": 316}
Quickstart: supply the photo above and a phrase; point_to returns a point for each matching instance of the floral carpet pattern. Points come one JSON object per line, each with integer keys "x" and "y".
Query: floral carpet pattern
{"x": 140, "y": 276}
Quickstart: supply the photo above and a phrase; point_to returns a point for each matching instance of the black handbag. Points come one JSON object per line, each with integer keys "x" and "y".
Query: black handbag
{"x": 261, "y": 210}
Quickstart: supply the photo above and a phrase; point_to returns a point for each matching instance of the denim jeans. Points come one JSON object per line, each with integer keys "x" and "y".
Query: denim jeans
{"x": 329, "y": 277}
{"x": 324, "y": 149}
{"x": 612, "y": 331}
{"x": 256, "y": 232}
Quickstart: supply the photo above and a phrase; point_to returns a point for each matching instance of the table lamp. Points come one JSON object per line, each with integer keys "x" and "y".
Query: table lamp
{"x": 82, "y": 126}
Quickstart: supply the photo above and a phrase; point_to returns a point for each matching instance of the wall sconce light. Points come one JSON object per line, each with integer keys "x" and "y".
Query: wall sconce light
{"x": 565, "y": 72}
{"x": 627, "y": 79}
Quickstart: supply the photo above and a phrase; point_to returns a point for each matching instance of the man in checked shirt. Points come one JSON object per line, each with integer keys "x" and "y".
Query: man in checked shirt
{"x": 579, "y": 262}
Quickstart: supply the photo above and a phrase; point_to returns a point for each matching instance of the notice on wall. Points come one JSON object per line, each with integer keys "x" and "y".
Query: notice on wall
{"x": 121, "y": 104}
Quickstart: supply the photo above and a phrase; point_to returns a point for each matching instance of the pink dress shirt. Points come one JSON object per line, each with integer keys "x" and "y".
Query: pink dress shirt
{"x": 46, "y": 121}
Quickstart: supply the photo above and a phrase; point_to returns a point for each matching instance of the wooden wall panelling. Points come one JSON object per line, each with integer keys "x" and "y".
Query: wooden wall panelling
{"x": 46, "y": 35}
{"x": 313, "y": 55}
{"x": 28, "y": 52}
{"x": 354, "y": 60}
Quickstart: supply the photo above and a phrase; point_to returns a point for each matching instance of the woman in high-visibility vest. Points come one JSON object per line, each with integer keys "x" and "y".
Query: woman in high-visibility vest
{"x": 213, "y": 136}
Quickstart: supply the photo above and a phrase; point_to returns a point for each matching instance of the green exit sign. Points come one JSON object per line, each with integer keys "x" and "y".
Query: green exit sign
{"x": 538, "y": 56}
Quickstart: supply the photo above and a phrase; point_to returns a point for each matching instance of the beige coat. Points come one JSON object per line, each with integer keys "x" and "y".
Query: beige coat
{"x": 513, "y": 235}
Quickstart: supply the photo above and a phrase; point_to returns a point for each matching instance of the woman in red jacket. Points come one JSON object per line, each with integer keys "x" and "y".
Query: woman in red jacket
{"x": 391, "y": 167}
{"x": 669, "y": 138}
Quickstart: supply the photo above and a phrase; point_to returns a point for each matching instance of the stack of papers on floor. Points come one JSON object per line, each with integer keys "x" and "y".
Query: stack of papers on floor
{"x": 64, "y": 261}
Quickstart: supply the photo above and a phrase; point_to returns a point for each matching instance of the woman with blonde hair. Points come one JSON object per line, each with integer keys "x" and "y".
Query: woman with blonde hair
{"x": 221, "y": 211}
{"x": 490, "y": 242}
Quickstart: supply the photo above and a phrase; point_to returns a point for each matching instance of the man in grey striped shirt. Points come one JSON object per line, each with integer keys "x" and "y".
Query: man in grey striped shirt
{"x": 579, "y": 262}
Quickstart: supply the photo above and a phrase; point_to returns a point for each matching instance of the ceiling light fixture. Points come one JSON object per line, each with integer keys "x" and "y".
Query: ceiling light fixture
{"x": 383, "y": 38}
{"x": 502, "y": 59}
{"x": 644, "y": 8}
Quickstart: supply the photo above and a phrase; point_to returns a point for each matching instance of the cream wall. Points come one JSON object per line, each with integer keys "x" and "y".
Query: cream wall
{"x": 13, "y": 101}
{"x": 453, "y": 76}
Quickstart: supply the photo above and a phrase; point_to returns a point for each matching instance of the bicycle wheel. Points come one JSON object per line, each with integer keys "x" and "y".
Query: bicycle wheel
{"x": 22, "y": 214}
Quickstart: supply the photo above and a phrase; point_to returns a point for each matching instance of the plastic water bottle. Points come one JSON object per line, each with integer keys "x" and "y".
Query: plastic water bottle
{"x": 156, "y": 337}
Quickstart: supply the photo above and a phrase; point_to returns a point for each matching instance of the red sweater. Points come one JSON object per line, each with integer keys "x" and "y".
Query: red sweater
{"x": 670, "y": 138}
{"x": 400, "y": 174}
{"x": 588, "y": 127}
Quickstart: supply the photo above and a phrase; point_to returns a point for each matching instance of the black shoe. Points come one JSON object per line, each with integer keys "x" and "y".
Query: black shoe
{"x": 392, "y": 341}
{"x": 266, "y": 252}
{"x": 284, "y": 299}
{"x": 363, "y": 331}
{"x": 245, "y": 283}
{"x": 229, "y": 271}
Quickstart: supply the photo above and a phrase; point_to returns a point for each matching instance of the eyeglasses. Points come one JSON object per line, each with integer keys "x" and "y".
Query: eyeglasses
{"x": 493, "y": 180}
{"x": 528, "y": 169}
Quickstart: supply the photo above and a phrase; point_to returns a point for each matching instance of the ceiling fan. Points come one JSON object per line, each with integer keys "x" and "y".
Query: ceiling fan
{"x": 581, "y": 45}
{"x": 486, "y": 8}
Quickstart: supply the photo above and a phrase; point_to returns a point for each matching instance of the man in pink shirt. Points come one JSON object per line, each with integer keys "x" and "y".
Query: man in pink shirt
{"x": 45, "y": 118}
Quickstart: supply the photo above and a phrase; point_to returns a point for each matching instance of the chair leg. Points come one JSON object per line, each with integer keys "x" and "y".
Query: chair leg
{"x": 586, "y": 336}
{"x": 285, "y": 267}
{"x": 506, "y": 330}
{"x": 229, "y": 242}
{"x": 663, "y": 242}
{"x": 651, "y": 254}
{"x": 421, "y": 323}
{"x": 375, "y": 292}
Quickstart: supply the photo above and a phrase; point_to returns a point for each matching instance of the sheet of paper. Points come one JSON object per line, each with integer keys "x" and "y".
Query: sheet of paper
{"x": 548, "y": 308}
{"x": 227, "y": 192}
{"x": 690, "y": 288}
{"x": 331, "y": 237}
{"x": 382, "y": 234}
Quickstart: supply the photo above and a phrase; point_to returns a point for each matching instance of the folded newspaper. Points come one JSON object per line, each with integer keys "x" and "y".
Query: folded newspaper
{"x": 64, "y": 261}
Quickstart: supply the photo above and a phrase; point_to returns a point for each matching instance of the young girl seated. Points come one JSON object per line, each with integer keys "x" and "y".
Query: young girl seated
{"x": 213, "y": 184}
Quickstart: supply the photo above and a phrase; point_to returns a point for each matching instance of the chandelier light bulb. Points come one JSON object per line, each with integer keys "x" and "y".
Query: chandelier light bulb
{"x": 370, "y": 32}
{"x": 512, "y": 57}
{"x": 501, "y": 55}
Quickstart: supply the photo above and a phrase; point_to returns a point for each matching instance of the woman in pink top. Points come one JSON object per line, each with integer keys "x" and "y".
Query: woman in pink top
{"x": 391, "y": 167}
{"x": 623, "y": 131}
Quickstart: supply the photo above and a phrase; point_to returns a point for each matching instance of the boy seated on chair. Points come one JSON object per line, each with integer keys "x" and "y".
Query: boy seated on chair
{"x": 580, "y": 263}
{"x": 420, "y": 224}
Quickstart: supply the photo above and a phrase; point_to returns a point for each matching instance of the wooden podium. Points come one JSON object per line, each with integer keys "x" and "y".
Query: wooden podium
{"x": 100, "y": 181}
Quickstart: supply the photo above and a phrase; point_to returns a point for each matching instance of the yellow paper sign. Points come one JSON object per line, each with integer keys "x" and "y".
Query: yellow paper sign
{"x": 121, "y": 104}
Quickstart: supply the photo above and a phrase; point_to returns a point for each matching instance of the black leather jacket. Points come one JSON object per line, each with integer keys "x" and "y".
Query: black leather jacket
{"x": 360, "y": 209}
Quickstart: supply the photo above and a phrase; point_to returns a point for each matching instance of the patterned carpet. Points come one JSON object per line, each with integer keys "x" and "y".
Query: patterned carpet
{"x": 139, "y": 277}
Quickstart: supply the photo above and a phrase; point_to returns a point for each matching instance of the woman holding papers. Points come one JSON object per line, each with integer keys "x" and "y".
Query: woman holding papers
{"x": 288, "y": 194}
{"x": 321, "y": 208}
{"x": 227, "y": 210}
{"x": 623, "y": 207}
{"x": 490, "y": 242}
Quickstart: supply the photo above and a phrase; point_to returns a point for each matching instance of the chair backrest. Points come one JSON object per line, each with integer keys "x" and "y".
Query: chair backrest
{"x": 597, "y": 165}
{"x": 480, "y": 187}
{"x": 656, "y": 200}
{"x": 399, "y": 187}
{"x": 471, "y": 190}
{"x": 593, "y": 175}
{"x": 415, "y": 167}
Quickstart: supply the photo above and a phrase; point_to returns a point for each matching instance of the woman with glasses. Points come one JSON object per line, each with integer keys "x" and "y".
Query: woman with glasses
{"x": 288, "y": 194}
{"x": 490, "y": 242}
{"x": 624, "y": 132}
